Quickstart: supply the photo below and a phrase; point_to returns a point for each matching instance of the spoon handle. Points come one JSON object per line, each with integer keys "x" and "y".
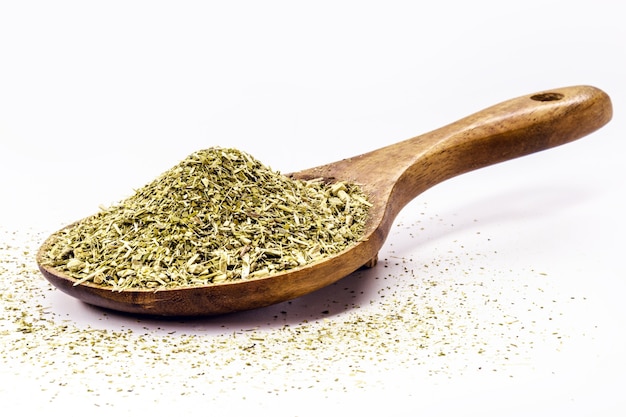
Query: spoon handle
{"x": 508, "y": 130}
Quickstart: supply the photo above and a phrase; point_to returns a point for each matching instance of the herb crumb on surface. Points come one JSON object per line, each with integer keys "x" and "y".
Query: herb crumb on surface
{"x": 452, "y": 316}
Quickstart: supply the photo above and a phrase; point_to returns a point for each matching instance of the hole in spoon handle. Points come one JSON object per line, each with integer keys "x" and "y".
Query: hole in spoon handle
{"x": 547, "y": 96}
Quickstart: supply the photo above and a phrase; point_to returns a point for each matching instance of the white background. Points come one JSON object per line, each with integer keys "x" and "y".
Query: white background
{"x": 97, "y": 98}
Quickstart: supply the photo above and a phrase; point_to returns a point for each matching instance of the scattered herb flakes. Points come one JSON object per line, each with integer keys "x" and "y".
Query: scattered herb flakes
{"x": 219, "y": 215}
{"x": 430, "y": 317}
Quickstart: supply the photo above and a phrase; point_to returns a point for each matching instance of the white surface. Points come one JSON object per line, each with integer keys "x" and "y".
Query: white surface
{"x": 99, "y": 97}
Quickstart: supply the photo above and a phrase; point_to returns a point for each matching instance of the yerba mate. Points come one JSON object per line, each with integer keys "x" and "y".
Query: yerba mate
{"x": 219, "y": 215}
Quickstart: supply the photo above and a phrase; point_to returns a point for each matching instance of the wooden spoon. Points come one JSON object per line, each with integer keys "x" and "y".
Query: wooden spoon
{"x": 392, "y": 176}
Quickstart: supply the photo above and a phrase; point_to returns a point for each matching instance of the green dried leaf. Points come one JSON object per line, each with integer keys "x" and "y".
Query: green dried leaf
{"x": 219, "y": 215}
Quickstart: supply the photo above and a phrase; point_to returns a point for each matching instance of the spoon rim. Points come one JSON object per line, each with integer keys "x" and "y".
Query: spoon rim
{"x": 76, "y": 282}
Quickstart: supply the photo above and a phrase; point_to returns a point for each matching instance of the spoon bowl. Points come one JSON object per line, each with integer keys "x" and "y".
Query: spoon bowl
{"x": 391, "y": 176}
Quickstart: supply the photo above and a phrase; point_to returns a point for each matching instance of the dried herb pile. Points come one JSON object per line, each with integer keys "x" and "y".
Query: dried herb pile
{"x": 219, "y": 215}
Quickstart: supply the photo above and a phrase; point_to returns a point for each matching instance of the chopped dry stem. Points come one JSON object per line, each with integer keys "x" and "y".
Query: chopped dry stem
{"x": 219, "y": 215}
